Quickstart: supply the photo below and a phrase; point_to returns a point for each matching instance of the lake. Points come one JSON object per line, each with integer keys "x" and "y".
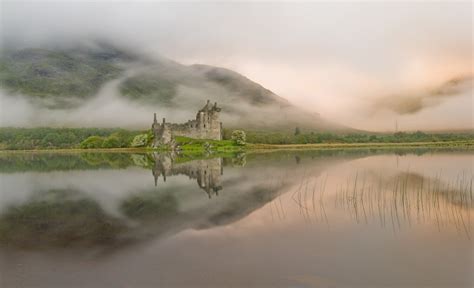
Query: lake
{"x": 338, "y": 218}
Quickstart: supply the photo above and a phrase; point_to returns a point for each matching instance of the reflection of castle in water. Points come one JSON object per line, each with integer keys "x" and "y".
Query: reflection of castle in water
{"x": 207, "y": 172}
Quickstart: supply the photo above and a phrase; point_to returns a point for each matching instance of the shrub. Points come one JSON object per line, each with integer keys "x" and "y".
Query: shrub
{"x": 238, "y": 136}
{"x": 111, "y": 142}
{"x": 92, "y": 142}
{"x": 297, "y": 131}
{"x": 140, "y": 140}
{"x": 124, "y": 137}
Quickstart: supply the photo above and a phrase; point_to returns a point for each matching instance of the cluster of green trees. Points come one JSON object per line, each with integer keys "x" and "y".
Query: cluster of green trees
{"x": 239, "y": 137}
{"x": 116, "y": 140}
{"x": 87, "y": 138}
{"x": 61, "y": 138}
{"x": 299, "y": 137}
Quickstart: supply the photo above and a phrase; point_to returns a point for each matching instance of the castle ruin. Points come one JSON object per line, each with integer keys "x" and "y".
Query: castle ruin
{"x": 205, "y": 126}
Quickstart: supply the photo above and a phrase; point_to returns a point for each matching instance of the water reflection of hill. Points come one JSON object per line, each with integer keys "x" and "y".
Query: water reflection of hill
{"x": 119, "y": 203}
{"x": 75, "y": 213}
{"x": 58, "y": 218}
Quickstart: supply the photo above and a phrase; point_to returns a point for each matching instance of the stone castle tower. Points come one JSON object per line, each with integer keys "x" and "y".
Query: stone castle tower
{"x": 206, "y": 126}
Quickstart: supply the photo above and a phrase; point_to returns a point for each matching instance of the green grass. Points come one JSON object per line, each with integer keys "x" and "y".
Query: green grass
{"x": 188, "y": 144}
{"x": 190, "y": 148}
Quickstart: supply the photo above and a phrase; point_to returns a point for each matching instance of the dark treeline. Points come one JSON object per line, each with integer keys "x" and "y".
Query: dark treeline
{"x": 298, "y": 137}
{"x": 61, "y": 138}
{"x": 66, "y": 138}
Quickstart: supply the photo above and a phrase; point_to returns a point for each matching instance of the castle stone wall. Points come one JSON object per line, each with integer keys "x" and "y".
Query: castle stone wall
{"x": 205, "y": 126}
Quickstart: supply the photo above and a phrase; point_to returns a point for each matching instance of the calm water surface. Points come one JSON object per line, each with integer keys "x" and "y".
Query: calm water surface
{"x": 283, "y": 219}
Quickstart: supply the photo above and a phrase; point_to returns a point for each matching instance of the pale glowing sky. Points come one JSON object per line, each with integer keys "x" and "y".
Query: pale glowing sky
{"x": 351, "y": 62}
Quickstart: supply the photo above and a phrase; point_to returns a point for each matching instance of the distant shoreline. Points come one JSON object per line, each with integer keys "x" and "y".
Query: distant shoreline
{"x": 325, "y": 146}
{"x": 250, "y": 147}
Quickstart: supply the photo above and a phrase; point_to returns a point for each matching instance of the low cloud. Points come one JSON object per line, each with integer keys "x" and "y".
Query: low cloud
{"x": 410, "y": 103}
{"x": 106, "y": 109}
{"x": 328, "y": 61}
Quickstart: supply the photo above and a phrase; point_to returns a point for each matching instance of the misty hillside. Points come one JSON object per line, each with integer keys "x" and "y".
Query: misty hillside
{"x": 57, "y": 76}
{"x": 68, "y": 80}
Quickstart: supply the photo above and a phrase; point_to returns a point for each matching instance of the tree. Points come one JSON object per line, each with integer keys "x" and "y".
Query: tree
{"x": 111, "y": 142}
{"x": 140, "y": 140}
{"x": 297, "y": 131}
{"x": 124, "y": 138}
{"x": 239, "y": 137}
{"x": 51, "y": 140}
{"x": 92, "y": 142}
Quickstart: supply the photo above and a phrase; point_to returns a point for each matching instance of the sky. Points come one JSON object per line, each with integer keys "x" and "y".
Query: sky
{"x": 367, "y": 65}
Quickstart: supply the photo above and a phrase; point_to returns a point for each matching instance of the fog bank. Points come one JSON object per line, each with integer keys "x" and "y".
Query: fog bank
{"x": 365, "y": 65}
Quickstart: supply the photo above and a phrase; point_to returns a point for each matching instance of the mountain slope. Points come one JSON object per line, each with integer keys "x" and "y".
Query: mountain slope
{"x": 67, "y": 79}
{"x": 56, "y": 75}
{"x": 244, "y": 87}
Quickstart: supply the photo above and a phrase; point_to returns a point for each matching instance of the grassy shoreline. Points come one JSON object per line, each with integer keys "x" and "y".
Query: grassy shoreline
{"x": 250, "y": 147}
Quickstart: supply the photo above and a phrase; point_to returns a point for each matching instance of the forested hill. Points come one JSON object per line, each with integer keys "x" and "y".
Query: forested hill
{"x": 69, "y": 78}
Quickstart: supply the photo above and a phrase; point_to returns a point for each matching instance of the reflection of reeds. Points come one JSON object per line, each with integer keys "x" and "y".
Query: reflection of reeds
{"x": 275, "y": 184}
{"x": 404, "y": 200}
{"x": 309, "y": 197}
{"x": 409, "y": 197}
